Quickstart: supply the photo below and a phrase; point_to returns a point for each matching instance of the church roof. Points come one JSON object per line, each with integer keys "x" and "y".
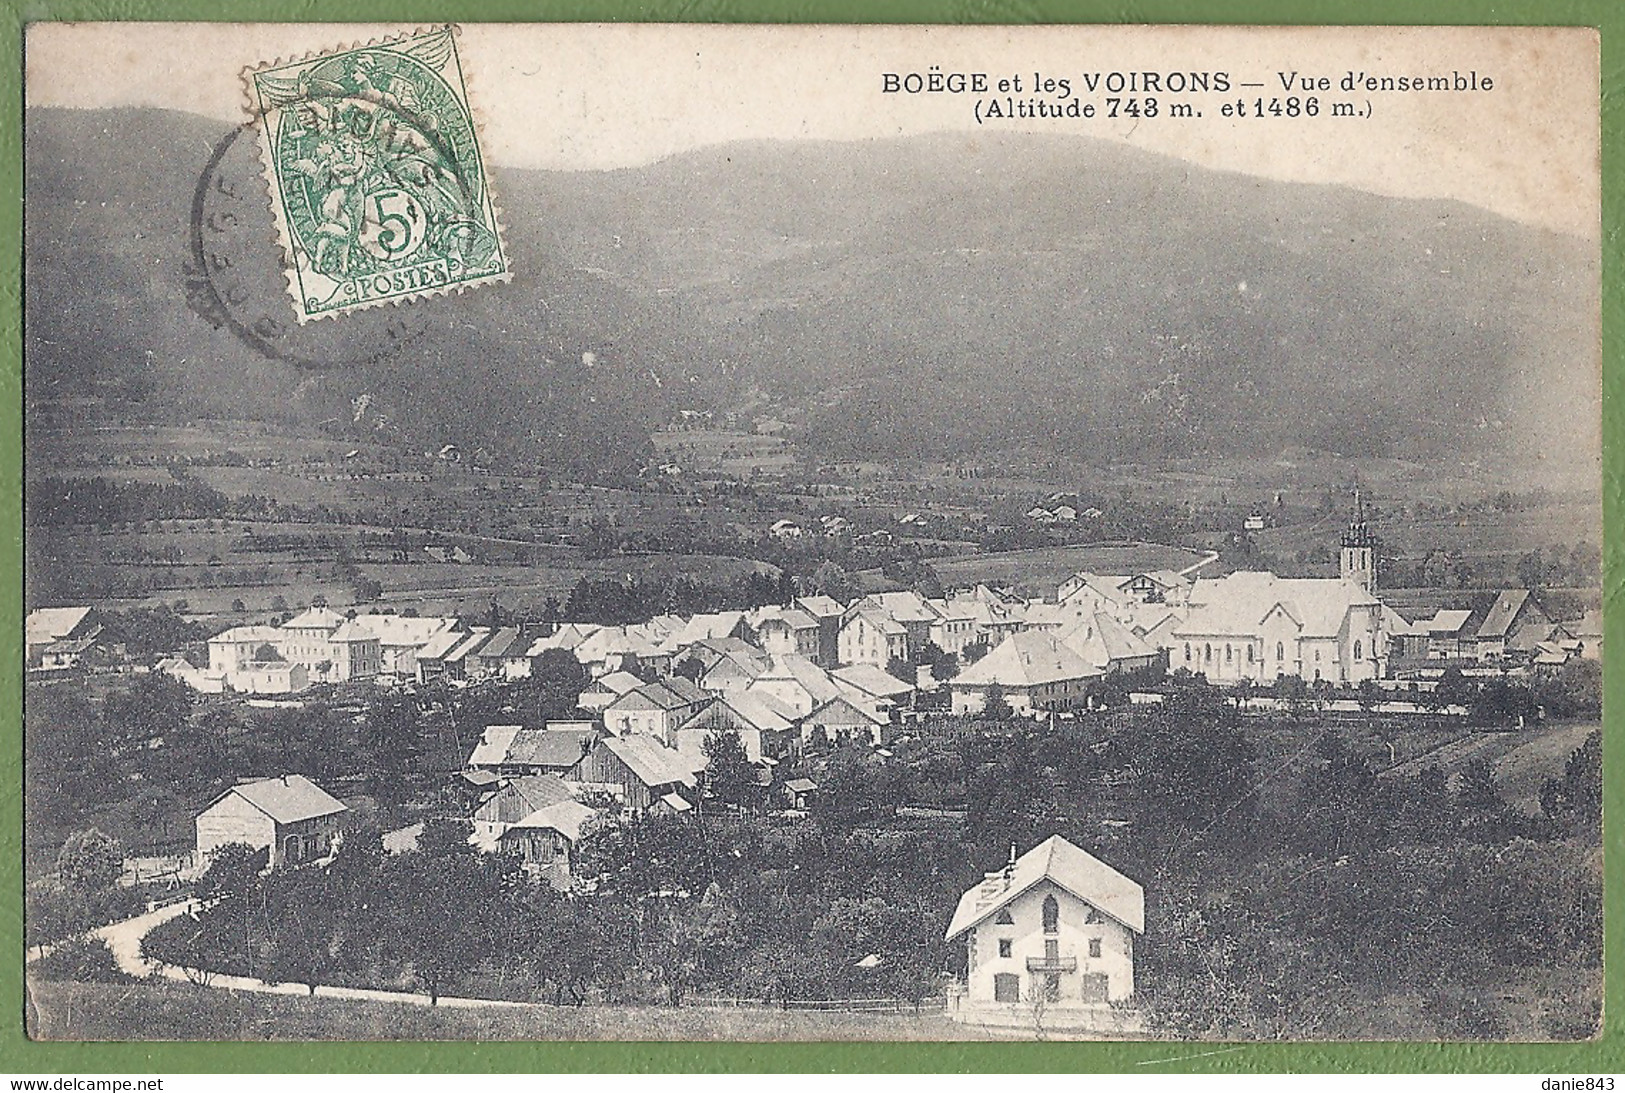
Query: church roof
{"x": 1064, "y": 865}
{"x": 1238, "y": 603}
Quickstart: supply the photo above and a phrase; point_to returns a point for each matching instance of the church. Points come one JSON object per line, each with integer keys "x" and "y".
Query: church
{"x": 1260, "y": 627}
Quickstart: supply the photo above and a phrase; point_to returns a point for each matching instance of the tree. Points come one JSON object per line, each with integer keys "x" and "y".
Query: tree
{"x": 233, "y": 870}
{"x": 442, "y": 914}
{"x": 1193, "y": 770}
{"x": 995, "y": 707}
{"x": 1370, "y": 695}
{"x": 831, "y": 580}
{"x": 154, "y": 705}
{"x": 901, "y": 670}
{"x": 690, "y": 668}
{"x": 443, "y": 838}
{"x": 556, "y": 681}
{"x": 89, "y": 864}
{"x": 1574, "y": 690}
{"x": 307, "y": 930}
{"x": 728, "y": 771}
{"x": 1574, "y": 801}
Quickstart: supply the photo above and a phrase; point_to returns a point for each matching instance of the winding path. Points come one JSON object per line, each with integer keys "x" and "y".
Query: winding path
{"x": 124, "y": 939}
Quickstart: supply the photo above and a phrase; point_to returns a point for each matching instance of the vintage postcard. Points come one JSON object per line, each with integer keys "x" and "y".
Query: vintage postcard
{"x": 812, "y": 533}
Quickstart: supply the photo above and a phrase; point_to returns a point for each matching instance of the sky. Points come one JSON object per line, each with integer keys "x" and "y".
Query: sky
{"x": 596, "y": 96}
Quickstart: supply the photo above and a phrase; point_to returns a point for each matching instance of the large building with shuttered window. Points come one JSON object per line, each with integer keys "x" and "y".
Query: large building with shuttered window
{"x": 1052, "y": 931}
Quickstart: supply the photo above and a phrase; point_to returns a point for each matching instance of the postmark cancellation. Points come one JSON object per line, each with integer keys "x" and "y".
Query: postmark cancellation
{"x": 379, "y": 190}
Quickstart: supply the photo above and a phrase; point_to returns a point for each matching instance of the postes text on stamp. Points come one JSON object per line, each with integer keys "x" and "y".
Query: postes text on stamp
{"x": 379, "y": 189}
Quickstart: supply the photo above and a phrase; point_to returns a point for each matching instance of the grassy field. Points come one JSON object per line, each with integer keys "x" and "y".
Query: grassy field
{"x": 1475, "y": 534}
{"x": 1040, "y": 571}
{"x": 1522, "y": 761}
{"x": 175, "y": 1011}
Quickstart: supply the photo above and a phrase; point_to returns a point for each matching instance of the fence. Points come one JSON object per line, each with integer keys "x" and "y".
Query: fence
{"x": 935, "y": 1004}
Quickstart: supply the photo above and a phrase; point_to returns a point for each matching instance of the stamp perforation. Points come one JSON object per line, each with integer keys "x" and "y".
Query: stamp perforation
{"x": 299, "y": 261}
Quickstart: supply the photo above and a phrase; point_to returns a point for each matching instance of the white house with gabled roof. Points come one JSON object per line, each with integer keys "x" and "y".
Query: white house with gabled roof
{"x": 1053, "y": 930}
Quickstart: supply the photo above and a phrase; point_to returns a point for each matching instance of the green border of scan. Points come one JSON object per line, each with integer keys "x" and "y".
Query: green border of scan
{"x": 20, "y": 1056}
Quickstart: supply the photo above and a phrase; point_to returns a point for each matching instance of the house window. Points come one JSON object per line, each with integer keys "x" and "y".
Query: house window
{"x": 1356, "y": 650}
{"x": 1207, "y": 654}
{"x": 1004, "y": 918}
{"x": 1094, "y": 946}
{"x": 1052, "y": 987}
{"x": 1280, "y": 651}
{"x": 1006, "y": 987}
{"x": 1052, "y": 950}
{"x": 1249, "y": 654}
{"x": 1004, "y": 946}
{"x": 1227, "y": 651}
{"x": 1187, "y": 652}
{"x": 1052, "y": 915}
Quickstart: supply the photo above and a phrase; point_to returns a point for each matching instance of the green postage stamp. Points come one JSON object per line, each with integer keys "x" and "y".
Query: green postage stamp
{"x": 378, "y": 186}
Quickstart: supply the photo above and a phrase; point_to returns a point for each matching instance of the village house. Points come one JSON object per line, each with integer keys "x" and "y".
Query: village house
{"x": 514, "y": 750}
{"x": 489, "y": 661}
{"x": 869, "y": 635}
{"x": 909, "y": 609}
{"x": 248, "y": 659}
{"x": 401, "y": 637}
{"x": 544, "y": 840}
{"x": 511, "y": 801}
{"x": 1449, "y": 635}
{"x": 292, "y": 817}
{"x": 764, "y": 726}
{"x": 726, "y": 664}
{"x": 797, "y": 683}
{"x": 199, "y": 679}
{"x": 828, "y": 613}
{"x": 46, "y": 627}
{"x": 656, "y": 709}
{"x": 798, "y": 793}
{"x": 606, "y": 689}
{"x": 872, "y": 688}
{"x": 954, "y": 627}
{"x": 454, "y": 665}
{"x": 711, "y": 626}
{"x": 842, "y": 721}
{"x": 1054, "y": 929}
{"x": 785, "y": 631}
{"x": 1096, "y": 636}
{"x": 430, "y": 658}
{"x": 326, "y": 646}
{"x": 1033, "y": 671}
{"x": 643, "y": 775}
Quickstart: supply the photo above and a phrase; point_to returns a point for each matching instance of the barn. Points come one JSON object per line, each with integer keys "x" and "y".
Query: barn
{"x": 291, "y": 816}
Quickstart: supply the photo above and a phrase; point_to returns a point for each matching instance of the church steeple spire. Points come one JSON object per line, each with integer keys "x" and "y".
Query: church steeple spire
{"x": 1359, "y": 556}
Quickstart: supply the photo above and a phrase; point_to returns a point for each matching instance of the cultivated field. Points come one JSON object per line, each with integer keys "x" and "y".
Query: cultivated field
{"x": 1040, "y": 571}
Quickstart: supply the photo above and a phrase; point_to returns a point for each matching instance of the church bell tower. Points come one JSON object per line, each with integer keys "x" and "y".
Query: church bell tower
{"x": 1358, "y": 560}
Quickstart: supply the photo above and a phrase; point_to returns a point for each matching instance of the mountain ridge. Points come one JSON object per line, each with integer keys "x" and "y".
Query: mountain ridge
{"x": 874, "y": 291}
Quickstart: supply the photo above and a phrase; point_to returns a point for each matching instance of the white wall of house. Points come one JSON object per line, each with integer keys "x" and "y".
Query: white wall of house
{"x": 233, "y": 820}
{"x": 863, "y": 642}
{"x": 1083, "y": 951}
